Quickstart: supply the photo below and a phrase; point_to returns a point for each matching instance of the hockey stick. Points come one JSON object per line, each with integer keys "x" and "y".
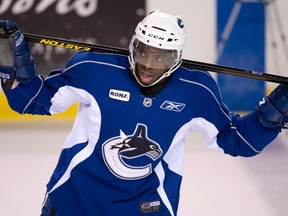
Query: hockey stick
{"x": 82, "y": 46}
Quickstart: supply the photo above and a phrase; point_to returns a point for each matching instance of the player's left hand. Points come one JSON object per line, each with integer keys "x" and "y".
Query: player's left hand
{"x": 8, "y": 27}
{"x": 23, "y": 67}
{"x": 272, "y": 111}
{"x": 7, "y": 71}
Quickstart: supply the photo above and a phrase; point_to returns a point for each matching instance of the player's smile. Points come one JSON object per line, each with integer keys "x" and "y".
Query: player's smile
{"x": 146, "y": 78}
{"x": 148, "y": 75}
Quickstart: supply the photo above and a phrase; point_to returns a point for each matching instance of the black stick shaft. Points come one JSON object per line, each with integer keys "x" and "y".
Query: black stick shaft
{"x": 82, "y": 46}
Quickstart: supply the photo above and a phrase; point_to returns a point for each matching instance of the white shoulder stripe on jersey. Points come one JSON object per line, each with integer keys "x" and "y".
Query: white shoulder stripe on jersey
{"x": 206, "y": 73}
{"x": 88, "y": 61}
{"x": 199, "y": 84}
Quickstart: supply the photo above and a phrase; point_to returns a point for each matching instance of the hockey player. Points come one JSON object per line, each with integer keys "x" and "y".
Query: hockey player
{"x": 125, "y": 151}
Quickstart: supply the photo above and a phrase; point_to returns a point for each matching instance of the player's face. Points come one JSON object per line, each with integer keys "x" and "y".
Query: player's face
{"x": 152, "y": 63}
{"x": 148, "y": 75}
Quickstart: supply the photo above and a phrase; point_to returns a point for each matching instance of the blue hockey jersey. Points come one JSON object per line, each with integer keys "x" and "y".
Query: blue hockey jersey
{"x": 125, "y": 151}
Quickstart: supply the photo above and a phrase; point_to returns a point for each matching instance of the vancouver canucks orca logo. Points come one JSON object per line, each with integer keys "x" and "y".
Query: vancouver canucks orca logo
{"x": 180, "y": 23}
{"x": 116, "y": 149}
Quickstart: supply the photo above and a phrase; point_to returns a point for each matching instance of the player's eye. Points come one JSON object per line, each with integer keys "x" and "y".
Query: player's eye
{"x": 159, "y": 59}
{"x": 140, "y": 52}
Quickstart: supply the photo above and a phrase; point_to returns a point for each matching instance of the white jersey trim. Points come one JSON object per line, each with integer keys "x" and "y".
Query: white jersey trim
{"x": 161, "y": 176}
{"x": 88, "y": 109}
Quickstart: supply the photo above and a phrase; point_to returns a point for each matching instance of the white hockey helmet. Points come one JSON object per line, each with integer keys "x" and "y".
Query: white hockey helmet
{"x": 159, "y": 30}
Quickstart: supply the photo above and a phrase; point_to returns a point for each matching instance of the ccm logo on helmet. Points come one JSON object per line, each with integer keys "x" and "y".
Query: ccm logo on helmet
{"x": 155, "y": 37}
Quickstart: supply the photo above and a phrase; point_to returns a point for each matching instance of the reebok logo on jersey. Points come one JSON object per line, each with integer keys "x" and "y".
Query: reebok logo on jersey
{"x": 172, "y": 106}
{"x": 119, "y": 95}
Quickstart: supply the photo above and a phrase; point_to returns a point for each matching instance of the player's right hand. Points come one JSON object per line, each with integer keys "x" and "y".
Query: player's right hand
{"x": 22, "y": 67}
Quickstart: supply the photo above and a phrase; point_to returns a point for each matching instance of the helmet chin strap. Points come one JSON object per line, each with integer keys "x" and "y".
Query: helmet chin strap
{"x": 164, "y": 75}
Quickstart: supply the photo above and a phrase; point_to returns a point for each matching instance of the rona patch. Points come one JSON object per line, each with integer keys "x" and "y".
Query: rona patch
{"x": 119, "y": 95}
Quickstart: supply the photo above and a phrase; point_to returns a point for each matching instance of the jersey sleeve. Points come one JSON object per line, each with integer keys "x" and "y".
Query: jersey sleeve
{"x": 245, "y": 136}
{"x": 237, "y": 135}
{"x": 36, "y": 97}
{"x": 24, "y": 98}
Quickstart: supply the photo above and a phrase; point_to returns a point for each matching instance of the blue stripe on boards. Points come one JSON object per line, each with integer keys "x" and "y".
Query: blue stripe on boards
{"x": 243, "y": 26}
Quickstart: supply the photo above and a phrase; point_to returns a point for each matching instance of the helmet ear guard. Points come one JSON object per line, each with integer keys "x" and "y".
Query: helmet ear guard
{"x": 163, "y": 31}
